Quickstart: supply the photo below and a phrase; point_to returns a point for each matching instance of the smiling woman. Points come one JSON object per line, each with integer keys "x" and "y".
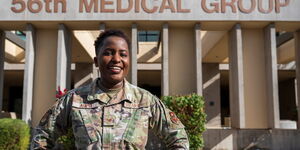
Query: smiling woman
{"x": 110, "y": 113}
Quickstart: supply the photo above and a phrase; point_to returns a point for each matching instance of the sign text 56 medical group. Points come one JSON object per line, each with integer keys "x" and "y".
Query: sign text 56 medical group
{"x": 157, "y": 6}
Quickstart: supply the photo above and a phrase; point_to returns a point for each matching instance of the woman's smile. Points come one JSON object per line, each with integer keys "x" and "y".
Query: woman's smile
{"x": 115, "y": 69}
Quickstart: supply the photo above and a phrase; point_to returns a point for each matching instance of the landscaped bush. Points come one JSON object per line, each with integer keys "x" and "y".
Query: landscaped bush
{"x": 67, "y": 141}
{"x": 190, "y": 110}
{"x": 14, "y": 134}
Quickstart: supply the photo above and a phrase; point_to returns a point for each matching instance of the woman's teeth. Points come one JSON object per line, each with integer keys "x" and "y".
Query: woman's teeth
{"x": 115, "y": 68}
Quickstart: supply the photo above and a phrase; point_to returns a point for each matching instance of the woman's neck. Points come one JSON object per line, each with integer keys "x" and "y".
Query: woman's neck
{"x": 111, "y": 86}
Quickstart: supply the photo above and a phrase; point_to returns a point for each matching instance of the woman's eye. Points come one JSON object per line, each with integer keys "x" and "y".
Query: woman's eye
{"x": 123, "y": 55}
{"x": 107, "y": 53}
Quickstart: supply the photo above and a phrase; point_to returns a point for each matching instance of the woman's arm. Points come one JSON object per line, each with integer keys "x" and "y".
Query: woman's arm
{"x": 54, "y": 123}
{"x": 167, "y": 126}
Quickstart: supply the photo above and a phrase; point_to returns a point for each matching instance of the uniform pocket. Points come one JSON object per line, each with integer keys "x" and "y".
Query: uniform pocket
{"x": 83, "y": 127}
{"x": 137, "y": 129}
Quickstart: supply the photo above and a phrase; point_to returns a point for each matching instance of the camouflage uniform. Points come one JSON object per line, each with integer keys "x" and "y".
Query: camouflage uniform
{"x": 101, "y": 122}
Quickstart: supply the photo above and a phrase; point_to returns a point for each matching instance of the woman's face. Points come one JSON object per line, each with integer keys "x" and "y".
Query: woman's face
{"x": 113, "y": 60}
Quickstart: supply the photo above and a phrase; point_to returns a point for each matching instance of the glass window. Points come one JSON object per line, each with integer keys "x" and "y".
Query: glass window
{"x": 148, "y": 36}
{"x": 21, "y": 34}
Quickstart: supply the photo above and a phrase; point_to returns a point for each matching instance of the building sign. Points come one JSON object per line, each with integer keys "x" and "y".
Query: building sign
{"x": 281, "y": 10}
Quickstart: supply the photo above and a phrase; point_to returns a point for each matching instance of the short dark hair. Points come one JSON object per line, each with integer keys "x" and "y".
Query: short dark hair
{"x": 107, "y": 33}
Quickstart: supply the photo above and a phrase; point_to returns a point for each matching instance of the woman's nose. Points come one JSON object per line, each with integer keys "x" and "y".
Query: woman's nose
{"x": 116, "y": 58}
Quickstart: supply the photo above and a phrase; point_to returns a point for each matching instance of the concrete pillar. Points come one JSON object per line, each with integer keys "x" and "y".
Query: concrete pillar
{"x": 44, "y": 72}
{"x": 271, "y": 76}
{"x": 2, "y": 54}
{"x": 198, "y": 49}
{"x": 63, "y": 72}
{"x": 297, "y": 57}
{"x": 165, "y": 60}
{"x": 212, "y": 94}
{"x": 236, "y": 78}
{"x": 30, "y": 50}
{"x": 133, "y": 54}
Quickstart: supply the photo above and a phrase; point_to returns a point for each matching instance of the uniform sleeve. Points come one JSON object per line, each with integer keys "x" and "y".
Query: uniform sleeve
{"x": 167, "y": 126}
{"x": 54, "y": 123}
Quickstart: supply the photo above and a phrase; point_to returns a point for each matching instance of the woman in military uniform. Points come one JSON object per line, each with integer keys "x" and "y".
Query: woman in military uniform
{"x": 110, "y": 113}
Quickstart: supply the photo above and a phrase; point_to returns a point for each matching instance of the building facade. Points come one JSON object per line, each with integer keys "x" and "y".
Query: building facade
{"x": 242, "y": 56}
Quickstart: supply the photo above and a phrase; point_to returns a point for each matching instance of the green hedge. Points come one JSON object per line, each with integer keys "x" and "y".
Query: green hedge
{"x": 67, "y": 141}
{"x": 190, "y": 110}
{"x": 14, "y": 134}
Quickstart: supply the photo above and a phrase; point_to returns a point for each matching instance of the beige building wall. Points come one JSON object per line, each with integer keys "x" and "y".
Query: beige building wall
{"x": 45, "y": 73}
{"x": 148, "y": 52}
{"x": 256, "y": 109}
{"x": 182, "y": 71}
{"x": 212, "y": 94}
{"x": 182, "y": 74}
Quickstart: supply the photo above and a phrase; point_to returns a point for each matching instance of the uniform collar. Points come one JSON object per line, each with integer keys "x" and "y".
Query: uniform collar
{"x": 96, "y": 93}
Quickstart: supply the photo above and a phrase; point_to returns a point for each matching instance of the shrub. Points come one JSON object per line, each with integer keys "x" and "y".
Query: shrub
{"x": 190, "y": 110}
{"x": 14, "y": 134}
{"x": 67, "y": 141}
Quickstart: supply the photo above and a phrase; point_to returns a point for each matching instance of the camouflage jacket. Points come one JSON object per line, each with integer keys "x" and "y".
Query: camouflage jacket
{"x": 101, "y": 122}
